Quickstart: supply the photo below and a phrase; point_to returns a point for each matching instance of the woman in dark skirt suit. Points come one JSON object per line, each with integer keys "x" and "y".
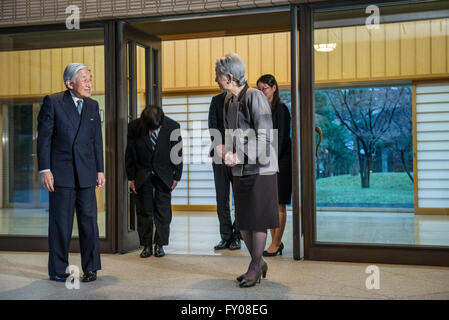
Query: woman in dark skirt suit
{"x": 253, "y": 161}
{"x": 281, "y": 121}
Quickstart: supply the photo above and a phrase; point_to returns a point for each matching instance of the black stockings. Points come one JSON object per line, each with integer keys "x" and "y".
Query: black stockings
{"x": 255, "y": 242}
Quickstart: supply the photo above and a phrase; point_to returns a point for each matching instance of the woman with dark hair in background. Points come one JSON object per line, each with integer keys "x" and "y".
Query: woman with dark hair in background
{"x": 281, "y": 121}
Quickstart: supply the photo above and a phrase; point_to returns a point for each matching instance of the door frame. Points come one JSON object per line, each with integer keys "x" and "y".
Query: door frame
{"x": 107, "y": 244}
{"x": 303, "y": 142}
{"x": 126, "y": 89}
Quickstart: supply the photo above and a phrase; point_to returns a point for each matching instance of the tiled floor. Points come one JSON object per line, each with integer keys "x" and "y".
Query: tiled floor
{"x": 193, "y": 270}
{"x": 196, "y": 232}
{"x": 23, "y": 275}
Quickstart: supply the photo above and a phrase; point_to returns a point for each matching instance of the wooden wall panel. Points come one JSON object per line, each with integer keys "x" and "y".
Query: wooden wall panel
{"x": 192, "y": 63}
{"x": 98, "y": 76}
{"x": 35, "y": 70}
{"x": 24, "y": 73}
{"x": 46, "y": 71}
{"x": 321, "y": 58}
{"x": 254, "y": 63}
{"x": 67, "y": 57}
{"x": 438, "y": 46}
{"x": 206, "y": 65}
{"x": 40, "y": 72}
{"x": 241, "y": 47}
{"x": 168, "y": 64}
{"x": 363, "y": 57}
{"x": 181, "y": 63}
{"x": 335, "y": 57}
{"x": 216, "y": 52}
{"x": 89, "y": 58}
{"x": 267, "y": 54}
{"x": 422, "y": 44}
{"x": 281, "y": 57}
{"x": 408, "y": 49}
{"x": 78, "y": 55}
{"x": 4, "y": 80}
{"x": 392, "y": 50}
{"x": 228, "y": 45}
{"x": 411, "y": 50}
{"x": 56, "y": 70}
{"x": 4, "y": 89}
{"x": 377, "y": 52}
{"x": 13, "y": 75}
{"x": 349, "y": 53}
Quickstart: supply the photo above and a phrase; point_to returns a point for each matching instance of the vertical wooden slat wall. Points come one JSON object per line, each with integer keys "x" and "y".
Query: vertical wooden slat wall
{"x": 39, "y": 72}
{"x": 190, "y": 64}
{"x": 408, "y": 50}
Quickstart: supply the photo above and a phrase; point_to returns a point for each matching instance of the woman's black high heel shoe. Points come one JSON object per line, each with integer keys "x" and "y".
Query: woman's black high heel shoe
{"x": 251, "y": 283}
{"x": 264, "y": 270}
{"x": 272, "y": 254}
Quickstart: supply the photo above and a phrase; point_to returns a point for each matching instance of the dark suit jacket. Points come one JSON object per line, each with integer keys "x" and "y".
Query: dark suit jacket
{"x": 281, "y": 121}
{"x": 141, "y": 160}
{"x": 68, "y": 144}
{"x": 216, "y": 120}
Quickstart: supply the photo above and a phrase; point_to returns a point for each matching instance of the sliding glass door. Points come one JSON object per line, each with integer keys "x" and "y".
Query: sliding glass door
{"x": 372, "y": 132}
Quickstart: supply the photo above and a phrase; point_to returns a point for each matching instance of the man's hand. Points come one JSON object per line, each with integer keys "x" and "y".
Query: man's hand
{"x": 220, "y": 150}
{"x": 175, "y": 183}
{"x": 132, "y": 186}
{"x": 100, "y": 180}
{"x": 48, "y": 181}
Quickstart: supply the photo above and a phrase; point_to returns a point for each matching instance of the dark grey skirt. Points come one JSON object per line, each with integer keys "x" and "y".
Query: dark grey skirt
{"x": 256, "y": 202}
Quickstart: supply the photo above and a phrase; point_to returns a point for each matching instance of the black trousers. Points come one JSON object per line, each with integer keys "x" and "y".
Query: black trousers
{"x": 63, "y": 202}
{"x": 153, "y": 205}
{"x": 223, "y": 180}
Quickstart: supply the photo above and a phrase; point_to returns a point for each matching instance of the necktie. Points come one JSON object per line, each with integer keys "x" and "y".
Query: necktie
{"x": 79, "y": 106}
{"x": 153, "y": 139}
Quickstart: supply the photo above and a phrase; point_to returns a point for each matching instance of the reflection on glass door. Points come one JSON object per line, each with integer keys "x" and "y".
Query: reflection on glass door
{"x": 23, "y": 186}
{"x": 21, "y": 158}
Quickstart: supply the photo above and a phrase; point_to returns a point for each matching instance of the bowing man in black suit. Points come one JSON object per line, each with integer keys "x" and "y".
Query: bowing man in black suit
{"x": 70, "y": 160}
{"x": 153, "y": 163}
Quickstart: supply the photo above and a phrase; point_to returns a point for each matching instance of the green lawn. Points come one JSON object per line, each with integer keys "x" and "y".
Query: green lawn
{"x": 386, "y": 188}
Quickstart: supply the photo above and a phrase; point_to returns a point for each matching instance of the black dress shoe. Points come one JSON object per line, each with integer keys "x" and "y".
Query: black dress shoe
{"x": 235, "y": 244}
{"x": 146, "y": 252}
{"x": 90, "y": 276}
{"x": 159, "y": 251}
{"x": 60, "y": 278}
{"x": 222, "y": 245}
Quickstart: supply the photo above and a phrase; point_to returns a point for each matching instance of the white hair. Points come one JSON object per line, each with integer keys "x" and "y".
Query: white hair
{"x": 71, "y": 71}
{"x": 233, "y": 64}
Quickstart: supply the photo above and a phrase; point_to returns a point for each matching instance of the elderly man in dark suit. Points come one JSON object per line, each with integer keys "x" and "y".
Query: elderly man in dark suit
{"x": 70, "y": 160}
{"x": 153, "y": 163}
{"x": 230, "y": 236}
